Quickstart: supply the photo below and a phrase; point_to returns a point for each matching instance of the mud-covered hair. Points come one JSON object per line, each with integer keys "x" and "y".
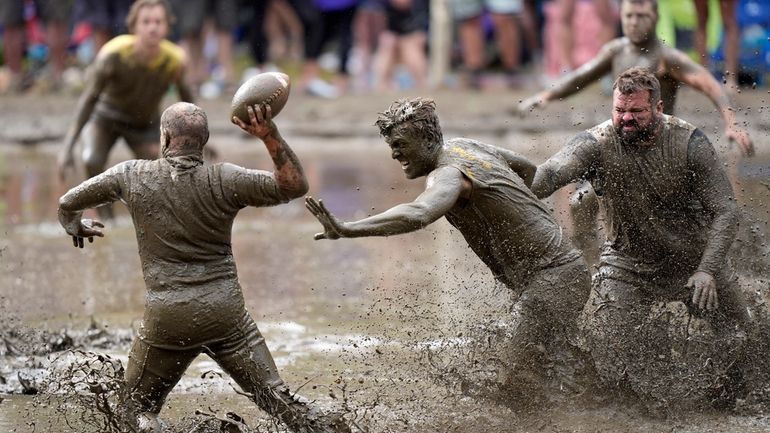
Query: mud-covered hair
{"x": 635, "y": 79}
{"x": 133, "y": 13}
{"x": 654, "y": 4}
{"x": 419, "y": 114}
{"x": 186, "y": 129}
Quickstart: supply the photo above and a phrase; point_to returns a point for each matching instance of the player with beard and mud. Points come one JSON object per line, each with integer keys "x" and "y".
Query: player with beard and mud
{"x": 482, "y": 191}
{"x": 126, "y": 84}
{"x": 670, "y": 220}
{"x": 639, "y": 47}
{"x": 183, "y": 213}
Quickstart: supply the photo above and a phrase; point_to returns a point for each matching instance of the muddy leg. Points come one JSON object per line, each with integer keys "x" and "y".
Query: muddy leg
{"x": 249, "y": 363}
{"x": 150, "y": 376}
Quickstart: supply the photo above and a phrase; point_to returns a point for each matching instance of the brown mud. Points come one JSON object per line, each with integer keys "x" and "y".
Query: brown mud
{"x": 401, "y": 333}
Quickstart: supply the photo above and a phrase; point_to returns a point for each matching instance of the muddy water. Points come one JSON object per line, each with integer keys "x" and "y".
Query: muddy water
{"x": 345, "y": 318}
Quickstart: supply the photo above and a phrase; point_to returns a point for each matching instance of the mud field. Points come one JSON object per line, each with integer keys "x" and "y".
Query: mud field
{"x": 378, "y": 328}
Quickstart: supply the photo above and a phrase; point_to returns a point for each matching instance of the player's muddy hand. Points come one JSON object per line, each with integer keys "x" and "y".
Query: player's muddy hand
{"x": 704, "y": 291}
{"x": 65, "y": 163}
{"x": 332, "y": 225}
{"x": 529, "y": 104}
{"x": 741, "y": 137}
{"x": 87, "y": 228}
{"x": 260, "y": 121}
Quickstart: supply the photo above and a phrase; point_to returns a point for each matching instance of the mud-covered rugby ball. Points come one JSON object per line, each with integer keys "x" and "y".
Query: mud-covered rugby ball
{"x": 271, "y": 88}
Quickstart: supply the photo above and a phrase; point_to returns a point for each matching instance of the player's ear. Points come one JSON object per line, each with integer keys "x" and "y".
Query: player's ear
{"x": 659, "y": 106}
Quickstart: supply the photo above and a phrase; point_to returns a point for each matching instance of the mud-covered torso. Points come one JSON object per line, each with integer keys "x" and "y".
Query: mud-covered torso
{"x": 653, "y": 60}
{"x": 183, "y": 221}
{"x": 134, "y": 88}
{"x": 653, "y": 213}
{"x": 502, "y": 221}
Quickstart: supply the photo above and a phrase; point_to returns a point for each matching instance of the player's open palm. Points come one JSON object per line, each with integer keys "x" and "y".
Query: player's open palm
{"x": 87, "y": 228}
{"x": 332, "y": 225}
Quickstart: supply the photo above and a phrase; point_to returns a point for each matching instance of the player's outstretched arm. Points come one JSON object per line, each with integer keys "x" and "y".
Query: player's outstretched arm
{"x": 444, "y": 187}
{"x": 96, "y": 82}
{"x": 96, "y": 191}
{"x": 683, "y": 69}
{"x": 289, "y": 175}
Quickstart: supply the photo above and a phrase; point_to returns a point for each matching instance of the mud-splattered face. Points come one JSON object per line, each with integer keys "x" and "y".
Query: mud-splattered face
{"x": 151, "y": 25}
{"x": 638, "y": 21}
{"x": 635, "y": 118}
{"x": 417, "y": 157}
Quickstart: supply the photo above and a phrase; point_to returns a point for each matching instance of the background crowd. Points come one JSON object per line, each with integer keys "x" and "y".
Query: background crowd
{"x": 333, "y": 47}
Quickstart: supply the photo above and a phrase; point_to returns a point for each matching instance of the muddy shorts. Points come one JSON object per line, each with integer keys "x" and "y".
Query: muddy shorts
{"x": 12, "y": 11}
{"x": 466, "y": 9}
{"x": 191, "y": 14}
{"x": 101, "y": 134}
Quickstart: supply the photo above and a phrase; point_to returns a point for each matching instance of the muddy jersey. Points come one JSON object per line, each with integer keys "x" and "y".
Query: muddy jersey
{"x": 503, "y": 222}
{"x": 131, "y": 89}
{"x": 669, "y": 207}
{"x": 183, "y": 220}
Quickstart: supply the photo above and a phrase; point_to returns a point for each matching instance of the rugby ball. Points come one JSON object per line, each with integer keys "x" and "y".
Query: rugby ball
{"x": 270, "y": 88}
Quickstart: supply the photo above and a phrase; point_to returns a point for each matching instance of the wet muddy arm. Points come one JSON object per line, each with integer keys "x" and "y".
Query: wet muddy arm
{"x": 96, "y": 191}
{"x": 716, "y": 195}
{"x": 289, "y": 174}
{"x": 521, "y": 165}
{"x": 95, "y": 85}
{"x": 574, "y": 81}
{"x": 696, "y": 76}
{"x": 578, "y": 160}
{"x": 444, "y": 187}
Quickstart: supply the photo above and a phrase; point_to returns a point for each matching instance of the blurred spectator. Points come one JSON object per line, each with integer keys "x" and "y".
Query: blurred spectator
{"x": 274, "y": 32}
{"x": 469, "y": 15}
{"x": 575, "y": 32}
{"x": 605, "y": 17}
{"x": 107, "y": 18}
{"x": 404, "y": 39}
{"x": 191, "y": 16}
{"x": 323, "y": 21}
{"x": 731, "y": 38}
{"x": 55, "y": 15}
{"x": 369, "y": 23}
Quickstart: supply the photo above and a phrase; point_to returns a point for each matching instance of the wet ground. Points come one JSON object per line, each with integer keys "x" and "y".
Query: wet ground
{"x": 349, "y": 321}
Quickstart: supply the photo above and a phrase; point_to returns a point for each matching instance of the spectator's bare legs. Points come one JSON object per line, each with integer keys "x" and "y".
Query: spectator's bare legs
{"x": 384, "y": 60}
{"x": 57, "y": 37}
{"x": 732, "y": 42}
{"x": 604, "y": 10}
{"x": 412, "y": 49}
{"x": 368, "y": 29}
{"x": 508, "y": 41}
{"x": 565, "y": 38}
{"x": 472, "y": 42}
{"x": 732, "y": 36}
{"x": 197, "y": 72}
{"x": 530, "y": 28}
{"x": 225, "y": 55}
{"x": 13, "y": 41}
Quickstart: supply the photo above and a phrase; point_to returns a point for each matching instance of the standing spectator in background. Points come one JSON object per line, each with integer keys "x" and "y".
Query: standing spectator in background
{"x": 192, "y": 15}
{"x": 325, "y": 20}
{"x": 107, "y": 18}
{"x": 731, "y": 39}
{"x": 404, "y": 39}
{"x": 604, "y": 11}
{"x": 55, "y": 15}
{"x": 469, "y": 15}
